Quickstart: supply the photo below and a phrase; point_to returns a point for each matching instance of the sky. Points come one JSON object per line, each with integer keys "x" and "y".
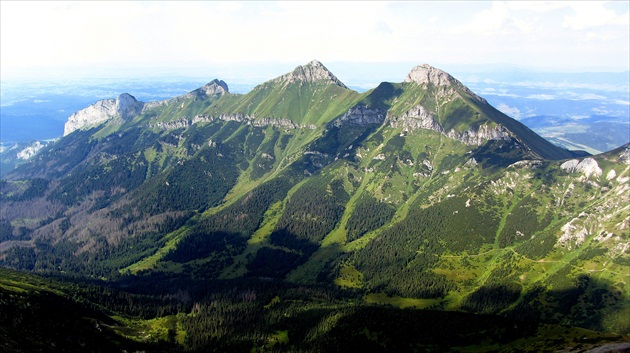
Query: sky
{"x": 90, "y": 38}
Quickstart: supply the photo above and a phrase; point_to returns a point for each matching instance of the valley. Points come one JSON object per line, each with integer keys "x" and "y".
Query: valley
{"x": 306, "y": 216}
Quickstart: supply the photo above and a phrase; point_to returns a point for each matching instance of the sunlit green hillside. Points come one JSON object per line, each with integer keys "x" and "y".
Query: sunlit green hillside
{"x": 304, "y": 216}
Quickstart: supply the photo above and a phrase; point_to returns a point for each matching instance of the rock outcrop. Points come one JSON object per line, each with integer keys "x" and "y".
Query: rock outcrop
{"x": 588, "y": 166}
{"x": 416, "y": 118}
{"x": 419, "y": 117}
{"x": 238, "y": 117}
{"x": 123, "y": 107}
{"x": 30, "y": 151}
{"x": 476, "y": 136}
{"x": 362, "y": 115}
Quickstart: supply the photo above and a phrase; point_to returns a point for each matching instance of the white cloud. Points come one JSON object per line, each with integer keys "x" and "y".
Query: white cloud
{"x": 172, "y": 34}
{"x": 583, "y": 96}
{"x": 488, "y": 21}
{"x": 568, "y": 85}
{"x": 514, "y": 112}
{"x": 490, "y": 91}
{"x": 601, "y": 111}
{"x": 589, "y": 14}
{"x": 544, "y": 97}
{"x": 231, "y": 6}
{"x": 536, "y": 6}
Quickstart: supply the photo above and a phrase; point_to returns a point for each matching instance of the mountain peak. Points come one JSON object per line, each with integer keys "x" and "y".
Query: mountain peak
{"x": 125, "y": 106}
{"x": 213, "y": 88}
{"x": 314, "y": 71}
{"x": 426, "y": 73}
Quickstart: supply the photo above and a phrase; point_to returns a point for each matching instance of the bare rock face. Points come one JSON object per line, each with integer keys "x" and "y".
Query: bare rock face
{"x": 420, "y": 118}
{"x": 238, "y": 117}
{"x": 570, "y": 165}
{"x": 127, "y": 106}
{"x": 416, "y": 118}
{"x": 476, "y": 136}
{"x": 589, "y": 167}
{"x": 30, "y": 151}
{"x": 124, "y": 107}
{"x": 93, "y": 115}
{"x": 362, "y": 115}
{"x": 423, "y": 74}
{"x": 311, "y": 72}
{"x": 282, "y": 122}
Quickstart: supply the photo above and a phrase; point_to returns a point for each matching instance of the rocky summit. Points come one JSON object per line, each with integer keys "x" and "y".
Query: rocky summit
{"x": 425, "y": 73}
{"x": 125, "y": 106}
{"x": 312, "y": 72}
{"x": 304, "y": 216}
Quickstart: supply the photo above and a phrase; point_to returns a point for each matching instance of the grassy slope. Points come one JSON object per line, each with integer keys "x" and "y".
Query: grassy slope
{"x": 465, "y": 111}
{"x": 528, "y": 261}
{"x": 530, "y": 193}
{"x": 407, "y": 189}
{"x": 302, "y": 103}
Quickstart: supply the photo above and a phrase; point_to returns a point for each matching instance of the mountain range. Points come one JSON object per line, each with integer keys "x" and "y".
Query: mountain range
{"x": 305, "y": 206}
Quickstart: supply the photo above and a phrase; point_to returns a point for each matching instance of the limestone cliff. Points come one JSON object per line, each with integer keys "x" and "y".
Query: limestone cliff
{"x": 362, "y": 115}
{"x": 123, "y": 107}
{"x": 238, "y": 117}
{"x": 420, "y": 118}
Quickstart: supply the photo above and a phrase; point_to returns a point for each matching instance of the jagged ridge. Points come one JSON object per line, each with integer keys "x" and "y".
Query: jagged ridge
{"x": 126, "y": 107}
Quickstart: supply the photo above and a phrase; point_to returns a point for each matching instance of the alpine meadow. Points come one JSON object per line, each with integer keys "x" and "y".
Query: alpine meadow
{"x": 304, "y": 216}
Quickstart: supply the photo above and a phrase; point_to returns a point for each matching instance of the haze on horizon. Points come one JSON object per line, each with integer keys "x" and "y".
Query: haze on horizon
{"x": 259, "y": 40}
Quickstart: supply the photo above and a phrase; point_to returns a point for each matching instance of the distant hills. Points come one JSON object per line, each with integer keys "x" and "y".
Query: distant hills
{"x": 305, "y": 196}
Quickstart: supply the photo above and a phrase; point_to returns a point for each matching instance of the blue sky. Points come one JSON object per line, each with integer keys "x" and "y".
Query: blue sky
{"x": 87, "y": 39}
